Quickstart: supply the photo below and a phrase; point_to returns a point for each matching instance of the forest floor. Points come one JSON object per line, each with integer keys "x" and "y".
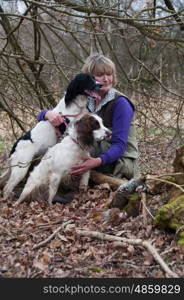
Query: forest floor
{"x": 68, "y": 254}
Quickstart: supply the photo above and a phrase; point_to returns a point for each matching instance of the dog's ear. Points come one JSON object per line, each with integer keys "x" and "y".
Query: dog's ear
{"x": 85, "y": 127}
{"x": 74, "y": 88}
{"x": 93, "y": 123}
{"x": 70, "y": 92}
{"x": 77, "y": 86}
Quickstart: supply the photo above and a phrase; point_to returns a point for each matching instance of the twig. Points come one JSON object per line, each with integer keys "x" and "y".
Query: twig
{"x": 137, "y": 242}
{"x": 144, "y": 212}
{"x": 47, "y": 240}
{"x": 46, "y": 225}
{"x": 148, "y": 211}
{"x": 25, "y": 165}
{"x": 170, "y": 174}
{"x": 149, "y": 177}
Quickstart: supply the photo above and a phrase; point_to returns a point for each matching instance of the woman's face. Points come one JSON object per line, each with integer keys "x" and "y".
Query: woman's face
{"x": 106, "y": 80}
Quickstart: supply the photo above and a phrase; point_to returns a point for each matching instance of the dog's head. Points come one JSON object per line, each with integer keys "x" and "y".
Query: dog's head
{"x": 90, "y": 128}
{"x": 82, "y": 84}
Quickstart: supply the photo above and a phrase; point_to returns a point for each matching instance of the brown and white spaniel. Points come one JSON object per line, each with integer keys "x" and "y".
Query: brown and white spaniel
{"x": 58, "y": 160}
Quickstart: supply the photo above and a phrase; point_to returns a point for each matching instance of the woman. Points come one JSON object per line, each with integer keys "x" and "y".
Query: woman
{"x": 118, "y": 156}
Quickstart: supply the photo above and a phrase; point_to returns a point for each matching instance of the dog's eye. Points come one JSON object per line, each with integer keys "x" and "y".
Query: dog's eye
{"x": 95, "y": 124}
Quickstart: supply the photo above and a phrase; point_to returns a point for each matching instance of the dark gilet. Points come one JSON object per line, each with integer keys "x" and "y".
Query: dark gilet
{"x": 106, "y": 114}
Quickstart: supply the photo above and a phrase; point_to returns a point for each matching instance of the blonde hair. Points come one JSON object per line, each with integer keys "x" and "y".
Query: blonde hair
{"x": 98, "y": 63}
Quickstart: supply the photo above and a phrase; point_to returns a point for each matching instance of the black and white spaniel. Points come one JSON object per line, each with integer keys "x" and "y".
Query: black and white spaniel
{"x": 36, "y": 141}
{"x": 44, "y": 180}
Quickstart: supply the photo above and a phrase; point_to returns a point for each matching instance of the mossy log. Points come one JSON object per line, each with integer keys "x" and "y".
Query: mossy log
{"x": 171, "y": 215}
{"x": 128, "y": 196}
{"x": 128, "y": 202}
{"x": 125, "y": 197}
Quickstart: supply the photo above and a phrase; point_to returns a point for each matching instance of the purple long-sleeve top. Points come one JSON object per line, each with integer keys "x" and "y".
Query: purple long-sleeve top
{"x": 122, "y": 113}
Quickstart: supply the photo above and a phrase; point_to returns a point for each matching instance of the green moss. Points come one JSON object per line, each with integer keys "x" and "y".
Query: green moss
{"x": 171, "y": 216}
{"x": 132, "y": 207}
{"x": 134, "y": 198}
{"x": 170, "y": 179}
{"x": 181, "y": 242}
{"x": 95, "y": 269}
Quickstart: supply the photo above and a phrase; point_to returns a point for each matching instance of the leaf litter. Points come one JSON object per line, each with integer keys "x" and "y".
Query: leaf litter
{"x": 69, "y": 255}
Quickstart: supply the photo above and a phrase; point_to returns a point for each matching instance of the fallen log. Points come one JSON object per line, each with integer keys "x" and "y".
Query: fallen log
{"x": 99, "y": 178}
{"x": 127, "y": 193}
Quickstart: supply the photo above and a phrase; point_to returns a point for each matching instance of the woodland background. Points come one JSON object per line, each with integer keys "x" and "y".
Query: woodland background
{"x": 43, "y": 44}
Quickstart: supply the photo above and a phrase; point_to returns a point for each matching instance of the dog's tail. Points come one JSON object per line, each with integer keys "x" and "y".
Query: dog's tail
{"x": 4, "y": 177}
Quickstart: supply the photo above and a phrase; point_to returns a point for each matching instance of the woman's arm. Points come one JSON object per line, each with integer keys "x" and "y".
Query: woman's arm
{"x": 54, "y": 118}
{"x": 122, "y": 114}
{"x": 41, "y": 115}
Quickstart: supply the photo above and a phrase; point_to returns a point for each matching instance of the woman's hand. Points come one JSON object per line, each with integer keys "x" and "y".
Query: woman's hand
{"x": 54, "y": 118}
{"x": 87, "y": 164}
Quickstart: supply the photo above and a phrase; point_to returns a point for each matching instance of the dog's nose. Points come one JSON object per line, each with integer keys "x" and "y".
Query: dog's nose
{"x": 108, "y": 133}
{"x": 98, "y": 85}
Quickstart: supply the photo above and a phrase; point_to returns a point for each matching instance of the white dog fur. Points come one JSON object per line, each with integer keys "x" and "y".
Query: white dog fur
{"x": 44, "y": 180}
